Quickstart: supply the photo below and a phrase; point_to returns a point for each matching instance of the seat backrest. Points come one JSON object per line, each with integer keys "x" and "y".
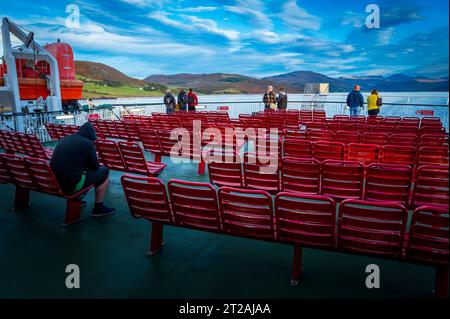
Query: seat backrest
{"x": 32, "y": 146}
{"x": 433, "y": 155}
{"x": 329, "y": 150}
{"x": 225, "y": 168}
{"x": 261, "y": 172}
{"x": 398, "y": 154}
{"x": 295, "y": 134}
{"x": 18, "y": 171}
{"x": 194, "y": 205}
{"x": 297, "y": 148}
{"x": 346, "y": 137}
{"x": 147, "y": 198}
{"x": 122, "y": 131}
{"x": 167, "y": 143}
{"x": 42, "y": 176}
{"x": 403, "y": 139}
{"x": 428, "y": 240}
{"x": 150, "y": 140}
{"x": 247, "y": 213}
{"x": 374, "y": 138}
{"x": 308, "y": 220}
{"x": 342, "y": 179}
{"x": 320, "y": 135}
{"x": 4, "y": 175}
{"x": 372, "y": 228}
{"x": 300, "y": 175}
{"x": 365, "y": 153}
{"x": 431, "y": 187}
{"x": 109, "y": 154}
{"x": 51, "y": 130}
{"x": 388, "y": 182}
{"x": 133, "y": 158}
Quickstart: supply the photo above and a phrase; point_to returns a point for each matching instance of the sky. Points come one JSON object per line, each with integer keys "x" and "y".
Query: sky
{"x": 251, "y": 37}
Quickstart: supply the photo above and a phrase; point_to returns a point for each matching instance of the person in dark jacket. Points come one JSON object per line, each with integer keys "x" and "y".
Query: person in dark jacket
{"x": 192, "y": 100}
{"x": 75, "y": 165}
{"x": 182, "y": 100}
{"x": 282, "y": 99}
{"x": 169, "y": 101}
{"x": 355, "y": 101}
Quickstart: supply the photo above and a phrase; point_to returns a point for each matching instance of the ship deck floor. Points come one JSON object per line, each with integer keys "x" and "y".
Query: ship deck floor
{"x": 35, "y": 250}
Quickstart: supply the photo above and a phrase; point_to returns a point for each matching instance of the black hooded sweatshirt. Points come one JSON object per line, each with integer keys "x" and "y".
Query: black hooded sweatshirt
{"x": 74, "y": 155}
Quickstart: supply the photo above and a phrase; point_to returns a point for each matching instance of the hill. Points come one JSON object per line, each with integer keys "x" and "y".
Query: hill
{"x": 103, "y": 81}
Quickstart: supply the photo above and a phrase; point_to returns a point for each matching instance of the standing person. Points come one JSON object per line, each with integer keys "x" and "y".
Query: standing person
{"x": 355, "y": 101}
{"x": 374, "y": 102}
{"x": 282, "y": 99}
{"x": 182, "y": 100}
{"x": 75, "y": 165}
{"x": 269, "y": 99}
{"x": 192, "y": 100}
{"x": 169, "y": 101}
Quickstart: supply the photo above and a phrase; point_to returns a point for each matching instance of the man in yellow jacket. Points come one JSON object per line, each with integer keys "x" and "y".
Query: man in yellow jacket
{"x": 373, "y": 103}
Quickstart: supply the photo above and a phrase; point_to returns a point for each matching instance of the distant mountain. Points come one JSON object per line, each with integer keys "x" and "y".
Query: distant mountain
{"x": 295, "y": 82}
{"x": 217, "y": 83}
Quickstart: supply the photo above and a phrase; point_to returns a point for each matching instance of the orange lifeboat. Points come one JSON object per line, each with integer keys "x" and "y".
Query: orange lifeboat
{"x": 32, "y": 76}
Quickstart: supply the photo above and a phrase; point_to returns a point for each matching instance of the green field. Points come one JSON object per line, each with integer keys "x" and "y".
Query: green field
{"x": 92, "y": 90}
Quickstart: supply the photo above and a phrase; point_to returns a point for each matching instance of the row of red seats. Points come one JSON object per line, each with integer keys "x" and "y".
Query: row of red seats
{"x": 362, "y": 227}
{"x": 366, "y": 153}
{"x": 388, "y": 129}
{"x": 380, "y": 138}
{"x": 59, "y": 131}
{"x": 22, "y": 143}
{"x": 126, "y": 157}
{"x": 337, "y": 179}
{"x": 34, "y": 174}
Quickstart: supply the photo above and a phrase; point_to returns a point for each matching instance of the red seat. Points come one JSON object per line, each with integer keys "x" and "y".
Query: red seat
{"x": 109, "y": 155}
{"x": 150, "y": 141}
{"x": 342, "y": 179}
{"x": 169, "y": 141}
{"x": 433, "y": 140}
{"x": 300, "y": 175}
{"x": 18, "y": 172}
{"x": 428, "y": 238}
{"x": 261, "y": 172}
{"x": 433, "y": 155}
{"x": 365, "y": 153}
{"x": 297, "y": 148}
{"x": 372, "y": 228}
{"x": 320, "y": 135}
{"x": 194, "y": 205}
{"x": 135, "y": 162}
{"x": 247, "y": 213}
{"x": 147, "y": 198}
{"x": 374, "y": 138}
{"x": 398, "y": 154}
{"x": 431, "y": 186}
{"x": 4, "y": 175}
{"x": 329, "y": 150}
{"x": 306, "y": 220}
{"x": 346, "y": 137}
{"x": 403, "y": 139}
{"x": 225, "y": 169}
{"x": 295, "y": 134}
{"x": 388, "y": 182}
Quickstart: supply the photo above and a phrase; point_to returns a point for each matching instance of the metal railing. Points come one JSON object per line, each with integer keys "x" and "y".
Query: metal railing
{"x": 34, "y": 122}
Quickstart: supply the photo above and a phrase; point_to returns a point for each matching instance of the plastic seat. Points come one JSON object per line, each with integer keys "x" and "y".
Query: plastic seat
{"x": 194, "y": 205}
{"x": 431, "y": 186}
{"x": 261, "y": 172}
{"x": 346, "y": 137}
{"x": 372, "y": 228}
{"x": 247, "y": 213}
{"x": 403, "y": 139}
{"x": 135, "y": 162}
{"x": 297, "y": 148}
{"x": 147, "y": 198}
{"x": 388, "y": 182}
{"x": 398, "y": 154}
{"x": 320, "y": 135}
{"x": 4, "y": 175}
{"x": 306, "y": 220}
{"x": 295, "y": 134}
{"x": 342, "y": 179}
{"x": 365, "y": 153}
{"x": 428, "y": 238}
{"x": 225, "y": 169}
{"x": 428, "y": 155}
{"x": 329, "y": 150}
{"x": 109, "y": 155}
{"x": 300, "y": 175}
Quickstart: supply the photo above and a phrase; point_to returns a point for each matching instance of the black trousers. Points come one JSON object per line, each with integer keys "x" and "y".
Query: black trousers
{"x": 374, "y": 112}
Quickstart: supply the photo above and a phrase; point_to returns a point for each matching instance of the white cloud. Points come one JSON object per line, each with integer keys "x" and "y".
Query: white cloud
{"x": 297, "y": 18}
{"x": 384, "y": 36}
{"x": 197, "y": 9}
{"x": 252, "y": 9}
{"x": 210, "y": 26}
{"x": 145, "y": 3}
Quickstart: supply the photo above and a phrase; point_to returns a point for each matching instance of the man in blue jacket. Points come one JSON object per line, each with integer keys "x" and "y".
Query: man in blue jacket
{"x": 355, "y": 101}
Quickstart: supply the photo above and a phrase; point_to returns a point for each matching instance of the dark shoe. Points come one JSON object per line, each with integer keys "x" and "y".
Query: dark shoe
{"x": 83, "y": 203}
{"x": 102, "y": 211}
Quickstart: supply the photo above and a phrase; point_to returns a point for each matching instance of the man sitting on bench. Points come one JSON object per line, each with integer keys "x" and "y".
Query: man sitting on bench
{"x": 75, "y": 164}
